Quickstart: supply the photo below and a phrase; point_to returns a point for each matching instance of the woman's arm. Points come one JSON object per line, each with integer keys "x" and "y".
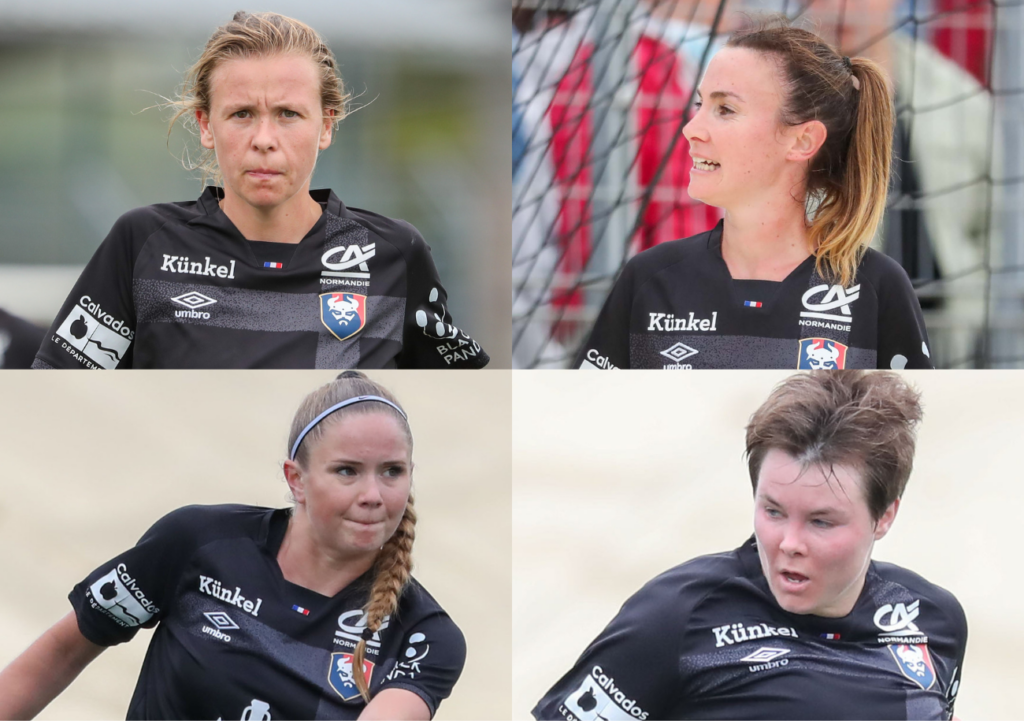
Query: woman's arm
{"x": 46, "y": 668}
{"x": 396, "y": 704}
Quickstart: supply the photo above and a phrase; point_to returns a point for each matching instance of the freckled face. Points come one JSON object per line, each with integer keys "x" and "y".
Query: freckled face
{"x": 737, "y": 126}
{"x": 266, "y": 126}
{"x": 356, "y": 483}
{"x": 814, "y": 534}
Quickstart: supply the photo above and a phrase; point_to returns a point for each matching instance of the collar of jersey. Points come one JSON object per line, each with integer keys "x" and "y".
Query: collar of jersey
{"x": 212, "y": 216}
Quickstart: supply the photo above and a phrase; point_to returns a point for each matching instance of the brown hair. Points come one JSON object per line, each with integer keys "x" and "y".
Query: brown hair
{"x": 848, "y": 179}
{"x": 250, "y": 35}
{"x": 393, "y": 565}
{"x": 863, "y": 419}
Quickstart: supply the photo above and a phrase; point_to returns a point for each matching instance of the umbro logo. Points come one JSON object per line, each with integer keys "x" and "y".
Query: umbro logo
{"x": 765, "y": 653}
{"x": 221, "y": 620}
{"x": 678, "y": 352}
{"x": 193, "y": 300}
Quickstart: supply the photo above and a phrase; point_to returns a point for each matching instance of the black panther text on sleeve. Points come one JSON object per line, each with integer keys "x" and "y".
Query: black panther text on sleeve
{"x": 706, "y": 640}
{"x": 177, "y": 286}
{"x": 676, "y": 306}
{"x": 235, "y": 640}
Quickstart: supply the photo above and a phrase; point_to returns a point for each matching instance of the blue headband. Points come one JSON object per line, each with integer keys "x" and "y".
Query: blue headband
{"x": 337, "y": 406}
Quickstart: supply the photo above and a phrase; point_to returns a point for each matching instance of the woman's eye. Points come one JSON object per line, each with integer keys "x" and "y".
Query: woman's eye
{"x": 696, "y": 105}
{"x": 241, "y": 114}
{"x": 394, "y": 471}
{"x": 724, "y": 110}
{"x": 818, "y": 522}
{"x": 346, "y": 471}
{"x": 772, "y": 512}
{"x": 289, "y": 113}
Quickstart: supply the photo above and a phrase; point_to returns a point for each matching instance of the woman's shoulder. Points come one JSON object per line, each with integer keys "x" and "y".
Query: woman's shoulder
{"x": 689, "y": 583}
{"x": 694, "y": 251}
{"x": 199, "y": 523}
{"x": 918, "y": 589}
{"x": 877, "y": 267}
{"x": 143, "y": 221}
{"x": 394, "y": 230}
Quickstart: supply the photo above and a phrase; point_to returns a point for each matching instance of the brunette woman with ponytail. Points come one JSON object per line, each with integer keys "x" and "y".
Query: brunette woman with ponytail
{"x": 794, "y": 142}
{"x": 302, "y": 612}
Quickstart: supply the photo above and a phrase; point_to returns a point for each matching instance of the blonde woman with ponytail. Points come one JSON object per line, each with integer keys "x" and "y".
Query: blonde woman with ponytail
{"x": 260, "y": 614}
{"x": 793, "y": 141}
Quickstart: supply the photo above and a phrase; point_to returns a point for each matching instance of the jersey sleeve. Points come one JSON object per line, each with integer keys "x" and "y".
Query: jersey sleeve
{"x": 430, "y": 338}
{"x": 607, "y": 347}
{"x": 902, "y": 336}
{"x": 433, "y": 654}
{"x": 96, "y": 325}
{"x": 630, "y": 671}
{"x": 135, "y": 589}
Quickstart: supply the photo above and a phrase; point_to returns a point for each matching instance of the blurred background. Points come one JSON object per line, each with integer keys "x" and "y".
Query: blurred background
{"x": 88, "y": 471}
{"x": 600, "y": 170}
{"x": 78, "y": 146}
{"x": 618, "y": 477}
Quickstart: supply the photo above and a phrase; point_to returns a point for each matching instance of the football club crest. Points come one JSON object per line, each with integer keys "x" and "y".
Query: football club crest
{"x": 340, "y": 676}
{"x": 344, "y": 314}
{"x": 821, "y": 354}
{"x": 915, "y": 663}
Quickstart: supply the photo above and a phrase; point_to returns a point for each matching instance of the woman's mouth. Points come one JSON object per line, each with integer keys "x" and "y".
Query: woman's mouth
{"x": 791, "y": 579}
{"x": 263, "y": 173}
{"x": 704, "y": 165}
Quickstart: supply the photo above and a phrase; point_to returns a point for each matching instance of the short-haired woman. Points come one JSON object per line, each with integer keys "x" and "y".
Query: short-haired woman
{"x": 260, "y": 272}
{"x": 798, "y": 622}
{"x": 794, "y": 142}
{"x": 303, "y": 612}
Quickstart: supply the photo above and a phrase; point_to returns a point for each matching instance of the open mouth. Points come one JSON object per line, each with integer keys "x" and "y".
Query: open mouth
{"x": 705, "y": 165}
{"x": 794, "y": 579}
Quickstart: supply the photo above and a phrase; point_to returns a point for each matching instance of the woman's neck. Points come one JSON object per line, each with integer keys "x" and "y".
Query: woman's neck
{"x": 285, "y": 223}
{"x": 305, "y": 563}
{"x": 765, "y": 242}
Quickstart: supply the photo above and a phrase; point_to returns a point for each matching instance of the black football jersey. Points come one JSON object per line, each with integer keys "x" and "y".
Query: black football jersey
{"x": 235, "y": 640}
{"x": 19, "y": 341}
{"x": 176, "y": 285}
{"x": 676, "y": 306}
{"x": 707, "y": 640}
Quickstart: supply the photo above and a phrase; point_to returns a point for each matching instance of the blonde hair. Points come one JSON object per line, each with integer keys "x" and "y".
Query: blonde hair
{"x": 393, "y": 565}
{"x": 848, "y": 180}
{"x": 253, "y": 35}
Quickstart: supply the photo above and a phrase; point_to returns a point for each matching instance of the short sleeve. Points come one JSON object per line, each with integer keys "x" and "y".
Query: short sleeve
{"x": 96, "y": 325}
{"x": 135, "y": 589}
{"x": 432, "y": 655}
{"x": 430, "y": 338}
{"x": 902, "y": 336}
{"x": 630, "y": 671}
{"x": 952, "y": 682}
{"x": 607, "y": 347}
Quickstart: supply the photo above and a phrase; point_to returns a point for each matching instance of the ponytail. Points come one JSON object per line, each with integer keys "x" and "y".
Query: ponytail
{"x": 846, "y": 219}
{"x": 391, "y": 573}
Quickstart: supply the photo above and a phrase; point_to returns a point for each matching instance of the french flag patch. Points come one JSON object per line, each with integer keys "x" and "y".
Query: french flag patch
{"x": 830, "y": 636}
{"x": 753, "y": 303}
{"x": 273, "y": 265}
{"x": 300, "y": 609}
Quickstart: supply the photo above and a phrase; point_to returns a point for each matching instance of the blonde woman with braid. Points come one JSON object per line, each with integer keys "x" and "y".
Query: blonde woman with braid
{"x": 794, "y": 142}
{"x": 302, "y": 612}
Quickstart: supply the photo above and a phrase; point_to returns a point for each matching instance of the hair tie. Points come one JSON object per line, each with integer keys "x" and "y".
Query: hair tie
{"x": 367, "y": 634}
{"x": 848, "y": 63}
{"x": 338, "y": 406}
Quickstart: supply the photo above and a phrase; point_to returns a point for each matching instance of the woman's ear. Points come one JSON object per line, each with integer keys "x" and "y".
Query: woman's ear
{"x": 807, "y": 139}
{"x": 295, "y": 480}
